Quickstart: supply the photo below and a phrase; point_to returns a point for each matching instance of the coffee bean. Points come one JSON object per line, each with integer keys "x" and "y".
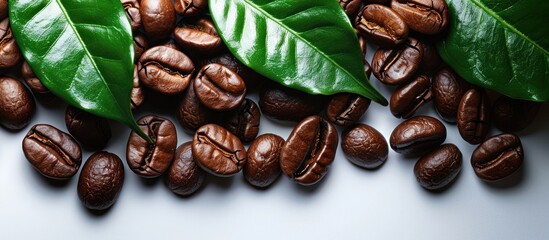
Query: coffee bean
{"x": 165, "y": 70}
{"x": 184, "y": 176}
{"x": 3, "y": 9}
{"x": 158, "y": 18}
{"x": 191, "y": 113}
{"x": 350, "y": 6}
{"x": 435, "y": 170}
{"x": 431, "y": 61}
{"x": 251, "y": 78}
{"x": 132, "y": 11}
{"x": 198, "y": 36}
{"x": 417, "y": 135}
{"x": 286, "y": 104}
{"x": 408, "y": 98}
{"x": 150, "y": 160}
{"x": 263, "y": 165}
{"x": 137, "y": 95}
{"x": 498, "y": 157}
{"x": 32, "y": 81}
{"x": 384, "y": 2}
{"x": 364, "y": 146}
{"x": 219, "y": 88}
{"x": 17, "y": 105}
{"x": 140, "y": 45}
{"x": 473, "y": 117}
{"x": 513, "y": 115}
{"x": 52, "y": 152}
{"x": 423, "y": 16}
{"x": 9, "y": 51}
{"x": 397, "y": 65}
{"x": 345, "y": 109}
{"x": 448, "y": 88}
{"x": 218, "y": 151}
{"x": 362, "y": 43}
{"x": 101, "y": 181}
{"x": 89, "y": 130}
{"x": 381, "y": 25}
{"x": 309, "y": 150}
{"x": 190, "y": 8}
{"x": 244, "y": 121}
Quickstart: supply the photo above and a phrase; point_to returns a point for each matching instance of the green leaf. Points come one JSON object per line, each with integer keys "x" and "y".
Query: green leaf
{"x": 308, "y": 45}
{"x": 500, "y": 44}
{"x": 82, "y": 51}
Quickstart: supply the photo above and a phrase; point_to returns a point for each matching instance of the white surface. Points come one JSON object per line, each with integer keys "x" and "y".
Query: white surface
{"x": 350, "y": 203}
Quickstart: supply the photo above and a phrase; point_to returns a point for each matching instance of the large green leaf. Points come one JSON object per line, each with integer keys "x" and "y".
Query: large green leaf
{"x": 500, "y": 44}
{"x": 308, "y": 45}
{"x": 82, "y": 51}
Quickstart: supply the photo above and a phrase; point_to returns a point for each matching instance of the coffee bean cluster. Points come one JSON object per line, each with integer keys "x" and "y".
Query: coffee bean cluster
{"x": 180, "y": 57}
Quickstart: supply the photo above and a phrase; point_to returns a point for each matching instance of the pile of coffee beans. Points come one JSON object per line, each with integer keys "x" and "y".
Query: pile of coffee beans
{"x": 179, "y": 57}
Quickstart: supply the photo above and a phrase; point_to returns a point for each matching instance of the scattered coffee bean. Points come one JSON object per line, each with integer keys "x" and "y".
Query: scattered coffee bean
{"x": 9, "y": 50}
{"x": 350, "y": 6}
{"x": 364, "y": 146}
{"x": 158, "y": 18}
{"x": 251, "y": 78}
{"x": 190, "y": 8}
{"x": 17, "y": 105}
{"x": 498, "y": 157}
{"x": 219, "y": 88}
{"x": 140, "y": 45}
{"x": 244, "y": 121}
{"x": 423, "y": 16}
{"x": 191, "y": 113}
{"x": 473, "y": 117}
{"x": 51, "y": 152}
{"x": 345, "y": 109}
{"x": 101, "y": 181}
{"x": 512, "y": 115}
{"x": 198, "y": 36}
{"x": 32, "y": 81}
{"x": 381, "y": 25}
{"x": 132, "y": 11}
{"x": 417, "y": 135}
{"x": 431, "y": 61}
{"x": 184, "y": 176}
{"x": 448, "y": 88}
{"x": 89, "y": 130}
{"x": 408, "y": 98}
{"x": 3, "y": 9}
{"x": 309, "y": 150}
{"x": 287, "y": 104}
{"x": 137, "y": 95}
{"x": 438, "y": 168}
{"x": 397, "y": 65}
{"x": 263, "y": 165}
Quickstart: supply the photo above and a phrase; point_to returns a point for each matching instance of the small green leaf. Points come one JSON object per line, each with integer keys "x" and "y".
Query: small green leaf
{"x": 501, "y": 45}
{"x": 308, "y": 45}
{"x": 82, "y": 51}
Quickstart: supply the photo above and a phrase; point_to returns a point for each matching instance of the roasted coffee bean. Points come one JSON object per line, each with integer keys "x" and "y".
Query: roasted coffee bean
{"x": 151, "y": 160}
{"x": 17, "y": 105}
{"x": 132, "y": 11}
{"x": 498, "y": 157}
{"x": 251, "y": 78}
{"x": 384, "y": 2}
{"x": 367, "y": 69}
{"x": 398, "y": 65}
{"x": 191, "y": 113}
{"x": 158, "y": 18}
{"x": 52, "y": 152}
{"x": 198, "y": 36}
{"x": 165, "y": 70}
{"x": 184, "y": 176}
{"x": 431, "y": 61}
{"x": 364, "y": 146}
{"x": 218, "y": 151}
{"x": 417, "y": 135}
{"x": 381, "y": 25}
{"x": 219, "y": 88}
{"x": 100, "y": 181}
{"x": 137, "y": 95}
{"x": 89, "y": 130}
{"x": 309, "y": 150}
{"x": 345, "y": 109}
{"x": 438, "y": 168}
{"x": 140, "y": 45}
{"x": 513, "y": 115}
{"x": 408, "y": 98}
{"x": 448, "y": 88}
{"x": 286, "y": 104}
{"x": 473, "y": 117}
{"x": 263, "y": 165}
{"x": 244, "y": 121}
{"x": 32, "y": 81}
{"x": 363, "y": 44}
{"x": 9, "y": 51}
{"x": 423, "y": 16}
{"x": 3, "y": 9}
{"x": 350, "y": 6}
{"x": 190, "y": 8}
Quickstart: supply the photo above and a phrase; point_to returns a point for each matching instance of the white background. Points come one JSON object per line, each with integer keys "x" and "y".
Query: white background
{"x": 350, "y": 202}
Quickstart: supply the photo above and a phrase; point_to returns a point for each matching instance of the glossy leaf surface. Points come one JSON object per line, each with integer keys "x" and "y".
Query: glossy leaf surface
{"x": 500, "y": 44}
{"x": 81, "y": 50}
{"x": 308, "y": 45}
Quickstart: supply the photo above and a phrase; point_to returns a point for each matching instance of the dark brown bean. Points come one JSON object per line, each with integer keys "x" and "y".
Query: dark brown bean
{"x": 251, "y": 78}
{"x": 384, "y": 2}
{"x": 513, "y": 115}
{"x": 218, "y": 151}
{"x": 448, "y": 88}
{"x": 91, "y": 131}
{"x": 431, "y": 61}
{"x": 417, "y": 135}
{"x": 17, "y": 105}
{"x": 190, "y": 8}
{"x": 140, "y": 45}
{"x": 438, "y": 168}
{"x": 498, "y": 157}
{"x": 198, "y": 36}
{"x": 3, "y": 9}
{"x": 381, "y": 25}
{"x": 350, "y": 6}
{"x": 345, "y": 109}
{"x": 101, "y": 181}
{"x": 286, "y": 104}
{"x": 191, "y": 113}
{"x": 151, "y": 160}
{"x": 52, "y": 152}
{"x": 244, "y": 121}
{"x": 364, "y": 146}
{"x": 132, "y": 11}
{"x": 185, "y": 177}
{"x": 137, "y": 95}
{"x": 219, "y": 88}
{"x": 473, "y": 117}
{"x": 423, "y": 16}
{"x": 408, "y": 98}
{"x": 398, "y": 65}
{"x": 309, "y": 150}
{"x": 32, "y": 81}
{"x": 9, "y": 50}
{"x": 263, "y": 165}
{"x": 158, "y": 18}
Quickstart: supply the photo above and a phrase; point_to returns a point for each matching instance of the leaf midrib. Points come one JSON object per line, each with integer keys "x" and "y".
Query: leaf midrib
{"x": 507, "y": 25}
